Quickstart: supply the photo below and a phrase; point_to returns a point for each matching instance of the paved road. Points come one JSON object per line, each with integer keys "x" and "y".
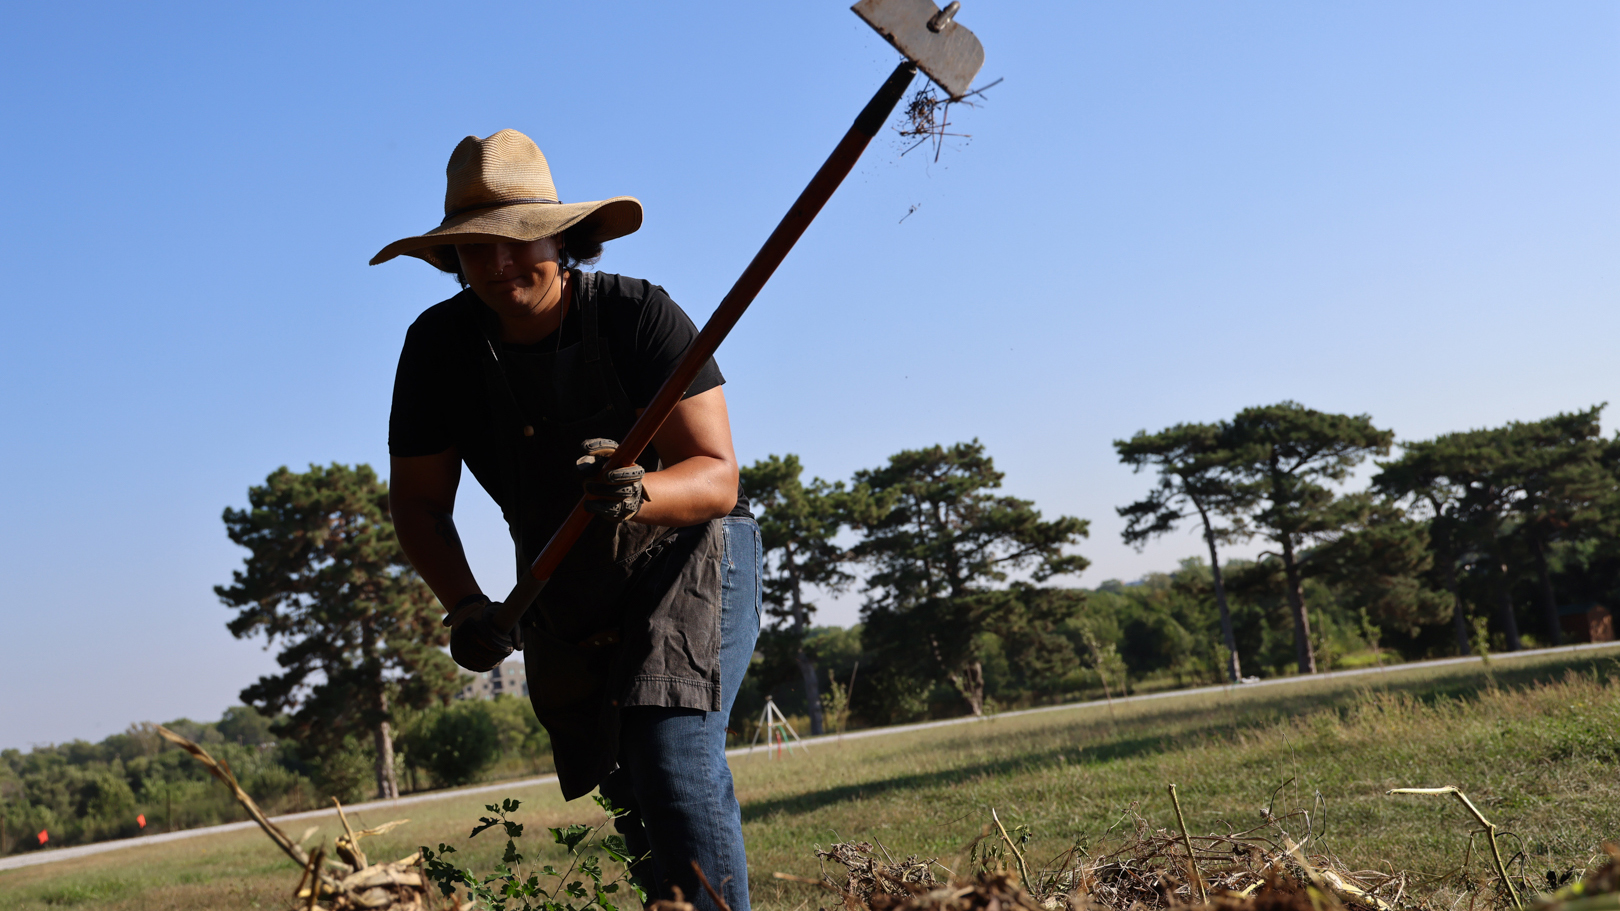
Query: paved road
{"x": 49, "y": 856}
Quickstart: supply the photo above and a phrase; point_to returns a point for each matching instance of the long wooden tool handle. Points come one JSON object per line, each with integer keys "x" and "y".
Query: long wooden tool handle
{"x": 787, "y": 233}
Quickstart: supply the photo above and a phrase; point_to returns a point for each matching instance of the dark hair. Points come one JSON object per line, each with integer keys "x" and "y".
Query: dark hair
{"x": 578, "y": 249}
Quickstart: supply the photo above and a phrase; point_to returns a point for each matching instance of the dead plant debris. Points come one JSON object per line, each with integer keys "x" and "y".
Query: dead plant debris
{"x": 1143, "y": 868}
{"x": 347, "y": 882}
{"x": 874, "y": 882}
{"x": 927, "y": 117}
{"x": 1279, "y": 865}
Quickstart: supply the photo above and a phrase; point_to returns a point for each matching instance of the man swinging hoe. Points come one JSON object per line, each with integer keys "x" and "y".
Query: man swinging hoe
{"x": 591, "y": 410}
{"x": 637, "y": 646}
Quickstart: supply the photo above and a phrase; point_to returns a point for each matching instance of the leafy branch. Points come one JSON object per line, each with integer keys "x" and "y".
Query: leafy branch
{"x": 506, "y": 889}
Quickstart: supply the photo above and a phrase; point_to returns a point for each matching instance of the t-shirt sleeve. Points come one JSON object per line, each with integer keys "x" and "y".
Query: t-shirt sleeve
{"x": 420, "y": 421}
{"x": 663, "y": 332}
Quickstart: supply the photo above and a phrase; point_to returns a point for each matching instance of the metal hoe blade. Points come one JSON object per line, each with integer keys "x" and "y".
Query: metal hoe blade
{"x": 930, "y": 38}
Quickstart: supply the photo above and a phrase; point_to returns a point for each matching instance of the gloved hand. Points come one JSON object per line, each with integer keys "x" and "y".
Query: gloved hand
{"x": 619, "y": 491}
{"x": 476, "y": 643}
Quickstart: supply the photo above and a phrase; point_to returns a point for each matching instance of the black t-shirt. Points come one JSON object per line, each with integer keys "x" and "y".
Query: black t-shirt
{"x": 440, "y": 398}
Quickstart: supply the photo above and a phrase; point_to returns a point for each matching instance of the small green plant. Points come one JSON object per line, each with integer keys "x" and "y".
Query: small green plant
{"x": 506, "y": 889}
{"x": 835, "y": 706}
{"x": 835, "y": 702}
{"x": 1371, "y": 632}
{"x": 1479, "y": 638}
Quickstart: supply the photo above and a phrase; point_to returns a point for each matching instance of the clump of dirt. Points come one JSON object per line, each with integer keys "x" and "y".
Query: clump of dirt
{"x": 927, "y": 117}
{"x": 1597, "y": 891}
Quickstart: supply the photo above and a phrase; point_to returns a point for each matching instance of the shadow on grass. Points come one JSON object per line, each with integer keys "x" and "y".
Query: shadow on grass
{"x": 1175, "y": 728}
{"x": 1012, "y": 765}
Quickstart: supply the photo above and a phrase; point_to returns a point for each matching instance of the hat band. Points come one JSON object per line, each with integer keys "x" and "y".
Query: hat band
{"x": 498, "y": 203}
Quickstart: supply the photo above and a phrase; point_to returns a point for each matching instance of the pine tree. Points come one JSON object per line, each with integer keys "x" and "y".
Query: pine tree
{"x": 1193, "y": 468}
{"x": 1418, "y": 479}
{"x": 1539, "y": 482}
{"x": 937, "y": 539}
{"x": 359, "y": 630}
{"x": 1292, "y": 454}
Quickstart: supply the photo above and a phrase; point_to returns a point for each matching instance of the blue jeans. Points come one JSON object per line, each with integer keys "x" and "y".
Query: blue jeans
{"x": 672, "y": 773}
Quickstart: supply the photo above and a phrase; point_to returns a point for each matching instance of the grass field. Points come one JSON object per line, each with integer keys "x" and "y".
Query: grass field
{"x": 1535, "y": 742}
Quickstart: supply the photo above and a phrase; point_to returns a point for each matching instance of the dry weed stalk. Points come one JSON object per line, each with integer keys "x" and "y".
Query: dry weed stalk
{"x": 349, "y": 883}
{"x": 1486, "y": 825}
{"x": 1023, "y": 868}
{"x": 1192, "y": 859}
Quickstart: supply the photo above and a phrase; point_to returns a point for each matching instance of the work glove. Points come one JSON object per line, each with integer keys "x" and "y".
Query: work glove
{"x": 476, "y": 643}
{"x": 616, "y": 495}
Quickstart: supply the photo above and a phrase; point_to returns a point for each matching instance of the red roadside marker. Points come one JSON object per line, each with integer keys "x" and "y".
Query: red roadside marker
{"x": 142, "y": 820}
{"x": 44, "y": 836}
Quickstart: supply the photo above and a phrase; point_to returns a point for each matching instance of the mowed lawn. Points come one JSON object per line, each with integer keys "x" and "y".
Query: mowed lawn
{"x": 1535, "y": 742}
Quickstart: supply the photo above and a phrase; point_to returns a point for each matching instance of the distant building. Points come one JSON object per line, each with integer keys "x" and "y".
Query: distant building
{"x": 509, "y": 679}
{"x": 1589, "y": 622}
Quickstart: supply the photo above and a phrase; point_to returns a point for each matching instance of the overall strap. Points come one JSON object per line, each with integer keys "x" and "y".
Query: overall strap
{"x": 596, "y": 356}
{"x": 585, "y": 299}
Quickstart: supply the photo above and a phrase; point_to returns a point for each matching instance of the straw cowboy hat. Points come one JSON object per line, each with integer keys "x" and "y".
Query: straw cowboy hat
{"x": 500, "y": 188}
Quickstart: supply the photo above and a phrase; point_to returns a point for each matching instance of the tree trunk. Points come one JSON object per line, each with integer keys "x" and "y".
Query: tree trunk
{"x": 968, "y": 678}
{"x": 1296, "y": 604}
{"x": 1234, "y": 670}
{"x": 970, "y": 683}
{"x": 382, "y": 734}
{"x": 387, "y": 781}
{"x": 1549, "y": 600}
{"x": 807, "y": 668}
{"x": 1504, "y": 607}
{"x": 812, "y": 692}
{"x": 1459, "y": 617}
{"x": 1442, "y": 539}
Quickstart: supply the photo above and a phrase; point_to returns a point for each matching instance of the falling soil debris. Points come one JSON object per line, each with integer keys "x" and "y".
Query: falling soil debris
{"x": 927, "y": 117}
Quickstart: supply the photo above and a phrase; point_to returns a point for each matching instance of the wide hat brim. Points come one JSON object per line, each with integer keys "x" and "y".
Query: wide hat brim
{"x": 601, "y": 221}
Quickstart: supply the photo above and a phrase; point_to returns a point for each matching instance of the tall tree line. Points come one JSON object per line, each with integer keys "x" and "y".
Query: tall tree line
{"x": 1479, "y": 538}
{"x": 1496, "y": 524}
{"x": 1444, "y": 546}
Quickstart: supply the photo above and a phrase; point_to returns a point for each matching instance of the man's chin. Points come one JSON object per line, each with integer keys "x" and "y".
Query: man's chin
{"x": 505, "y": 299}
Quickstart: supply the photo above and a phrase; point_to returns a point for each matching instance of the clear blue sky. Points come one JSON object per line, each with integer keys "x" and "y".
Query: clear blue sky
{"x": 1167, "y": 212}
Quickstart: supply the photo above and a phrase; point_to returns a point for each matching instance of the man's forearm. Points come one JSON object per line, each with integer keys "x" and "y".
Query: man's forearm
{"x": 434, "y": 548}
{"x": 689, "y": 492}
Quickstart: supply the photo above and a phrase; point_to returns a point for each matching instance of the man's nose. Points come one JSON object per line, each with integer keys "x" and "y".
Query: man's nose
{"x": 502, "y": 257}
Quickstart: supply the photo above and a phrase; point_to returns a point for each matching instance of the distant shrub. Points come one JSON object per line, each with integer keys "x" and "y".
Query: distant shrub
{"x": 462, "y": 740}
{"x": 349, "y": 773}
